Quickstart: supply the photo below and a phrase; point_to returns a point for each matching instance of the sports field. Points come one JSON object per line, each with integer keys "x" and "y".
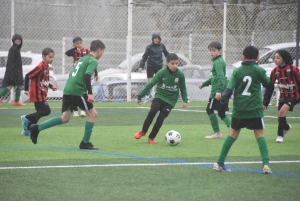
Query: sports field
{"x": 128, "y": 169}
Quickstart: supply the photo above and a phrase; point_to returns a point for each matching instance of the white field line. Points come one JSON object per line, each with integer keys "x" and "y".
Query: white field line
{"x": 128, "y": 165}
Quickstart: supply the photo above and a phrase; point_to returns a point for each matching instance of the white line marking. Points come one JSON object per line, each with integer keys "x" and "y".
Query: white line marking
{"x": 127, "y": 165}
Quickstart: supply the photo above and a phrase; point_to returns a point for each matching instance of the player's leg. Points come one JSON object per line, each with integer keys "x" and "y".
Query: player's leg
{"x": 150, "y": 74}
{"x": 3, "y": 91}
{"x": 283, "y": 127}
{"x": 90, "y": 122}
{"x": 17, "y": 97}
{"x": 226, "y": 119}
{"x": 213, "y": 120}
{"x": 164, "y": 113}
{"x": 258, "y": 127}
{"x": 155, "y": 107}
{"x": 42, "y": 110}
{"x": 228, "y": 142}
{"x": 67, "y": 108}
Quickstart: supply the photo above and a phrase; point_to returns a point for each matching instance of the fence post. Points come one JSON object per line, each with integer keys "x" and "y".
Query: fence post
{"x": 12, "y": 32}
{"x": 129, "y": 50}
{"x": 190, "y": 46}
{"x": 63, "y": 55}
{"x": 224, "y": 30}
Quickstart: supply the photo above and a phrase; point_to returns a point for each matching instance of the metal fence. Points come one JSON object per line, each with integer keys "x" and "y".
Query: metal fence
{"x": 186, "y": 29}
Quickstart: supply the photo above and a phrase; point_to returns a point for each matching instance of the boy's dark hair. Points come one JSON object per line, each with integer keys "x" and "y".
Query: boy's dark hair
{"x": 250, "y": 52}
{"x": 215, "y": 44}
{"x": 96, "y": 44}
{"x": 47, "y": 51}
{"x": 76, "y": 39}
{"x": 286, "y": 56}
{"x": 172, "y": 56}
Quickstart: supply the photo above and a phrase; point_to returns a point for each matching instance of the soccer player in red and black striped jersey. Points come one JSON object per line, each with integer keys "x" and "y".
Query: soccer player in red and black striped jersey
{"x": 287, "y": 77}
{"x": 39, "y": 84}
{"x": 77, "y": 53}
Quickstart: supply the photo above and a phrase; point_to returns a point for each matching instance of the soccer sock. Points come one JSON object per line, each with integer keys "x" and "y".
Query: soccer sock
{"x": 50, "y": 122}
{"x": 225, "y": 148}
{"x": 281, "y": 125}
{"x": 3, "y": 91}
{"x": 88, "y": 131}
{"x": 214, "y": 122}
{"x": 18, "y": 94}
{"x": 263, "y": 148}
{"x": 227, "y": 121}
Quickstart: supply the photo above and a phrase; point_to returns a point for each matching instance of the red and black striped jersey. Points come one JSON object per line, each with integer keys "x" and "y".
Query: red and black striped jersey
{"x": 39, "y": 84}
{"x": 78, "y": 55}
{"x": 288, "y": 80}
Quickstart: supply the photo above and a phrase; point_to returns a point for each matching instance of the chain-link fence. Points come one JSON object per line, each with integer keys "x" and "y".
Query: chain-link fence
{"x": 185, "y": 29}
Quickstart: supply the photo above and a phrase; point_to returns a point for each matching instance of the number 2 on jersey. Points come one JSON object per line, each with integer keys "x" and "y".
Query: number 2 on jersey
{"x": 247, "y": 79}
{"x": 76, "y": 68}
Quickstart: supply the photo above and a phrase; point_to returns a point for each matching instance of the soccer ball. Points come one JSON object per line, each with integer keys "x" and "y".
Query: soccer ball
{"x": 173, "y": 138}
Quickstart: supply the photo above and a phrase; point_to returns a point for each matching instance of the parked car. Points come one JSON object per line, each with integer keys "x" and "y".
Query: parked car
{"x": 266, "y": 55}
{"x": 116, "y": 90}
{"x": 29, "y": 61}
{"x": 135, "y": 64}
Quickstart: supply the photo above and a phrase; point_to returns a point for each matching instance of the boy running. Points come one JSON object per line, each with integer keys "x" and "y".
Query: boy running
{"x": 39, "y": 84}
{"x": 78, "y": 91}
{"x": 218, "y": 83}
{"x": 170, "y": 81}
{"x": 247, "y": 111}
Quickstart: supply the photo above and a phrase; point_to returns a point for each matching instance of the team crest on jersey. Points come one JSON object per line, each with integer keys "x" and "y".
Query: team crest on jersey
{"x": 176, "y": 80}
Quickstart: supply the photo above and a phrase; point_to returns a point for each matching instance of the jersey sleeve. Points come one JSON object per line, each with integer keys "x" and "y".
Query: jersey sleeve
{"x": 183, "y": 89}
{"x": 92, "y": 66}
{"x": 232, "y": 81}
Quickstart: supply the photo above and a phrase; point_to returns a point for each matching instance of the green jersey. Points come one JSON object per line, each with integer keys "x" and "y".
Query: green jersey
{"x": 246, "y": 82}
{"x": 76, "y": 84}
{"x": 218, "y": 80}
{"x": 168, "y": 86}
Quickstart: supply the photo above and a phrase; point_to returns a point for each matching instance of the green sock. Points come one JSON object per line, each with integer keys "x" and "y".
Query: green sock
{"x": 227, "y": 121}
{"x": 3, "y": 91}
{"x": 18, "y": 94}
{"x": 263, "y": 148}
{"x": 88, "y": 131}
{"x": 50, "y": 122}
{"x": 225, "y": 148}
{"x": 214, "y": 122}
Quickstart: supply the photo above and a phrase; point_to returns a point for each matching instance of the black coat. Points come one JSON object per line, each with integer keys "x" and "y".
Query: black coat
{"x": 14, "y": 71}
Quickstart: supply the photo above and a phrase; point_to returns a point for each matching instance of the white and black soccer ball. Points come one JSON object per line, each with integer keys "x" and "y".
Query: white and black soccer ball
{"x": 173, "y": 137}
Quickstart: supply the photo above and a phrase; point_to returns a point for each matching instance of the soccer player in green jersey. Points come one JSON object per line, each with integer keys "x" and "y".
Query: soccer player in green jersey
{"x": 218, "y": 82}
{"x": 170, "y": 81}
{"x": 246, "y": 82}
{"x": 78, "y": 91}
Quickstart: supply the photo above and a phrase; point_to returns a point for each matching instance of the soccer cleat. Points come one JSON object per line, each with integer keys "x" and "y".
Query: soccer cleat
{"x": 18, "y": 103}
{"x": 25, "y": 122}
{"x": 139, "y": 134}
{"x": 82, "y": 113}
{"x": 151, "y": 141}
{"x": 214, "y": 135}
{"x": 218, "y": 167}
{"x": 87, "y": 145}
{"x": 286, "y": 131}
{"x": 34, "y": 129}
{"x": 279, "y": 139}
{"x": 267, "y": 169}
{"x": 75, "y": 114}
{"x": 26, "y": 132}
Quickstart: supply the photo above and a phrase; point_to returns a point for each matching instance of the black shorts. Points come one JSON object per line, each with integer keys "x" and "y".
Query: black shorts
{"x": 151, "y": 70}
{"x": 290, "y": 102}
{"x": 252, "y": 124}
{"x": 160, "y": 105}
{"x": 214, "y": 104}
{"x": 70, "y": 102}
{"x": 42, "y": 106}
